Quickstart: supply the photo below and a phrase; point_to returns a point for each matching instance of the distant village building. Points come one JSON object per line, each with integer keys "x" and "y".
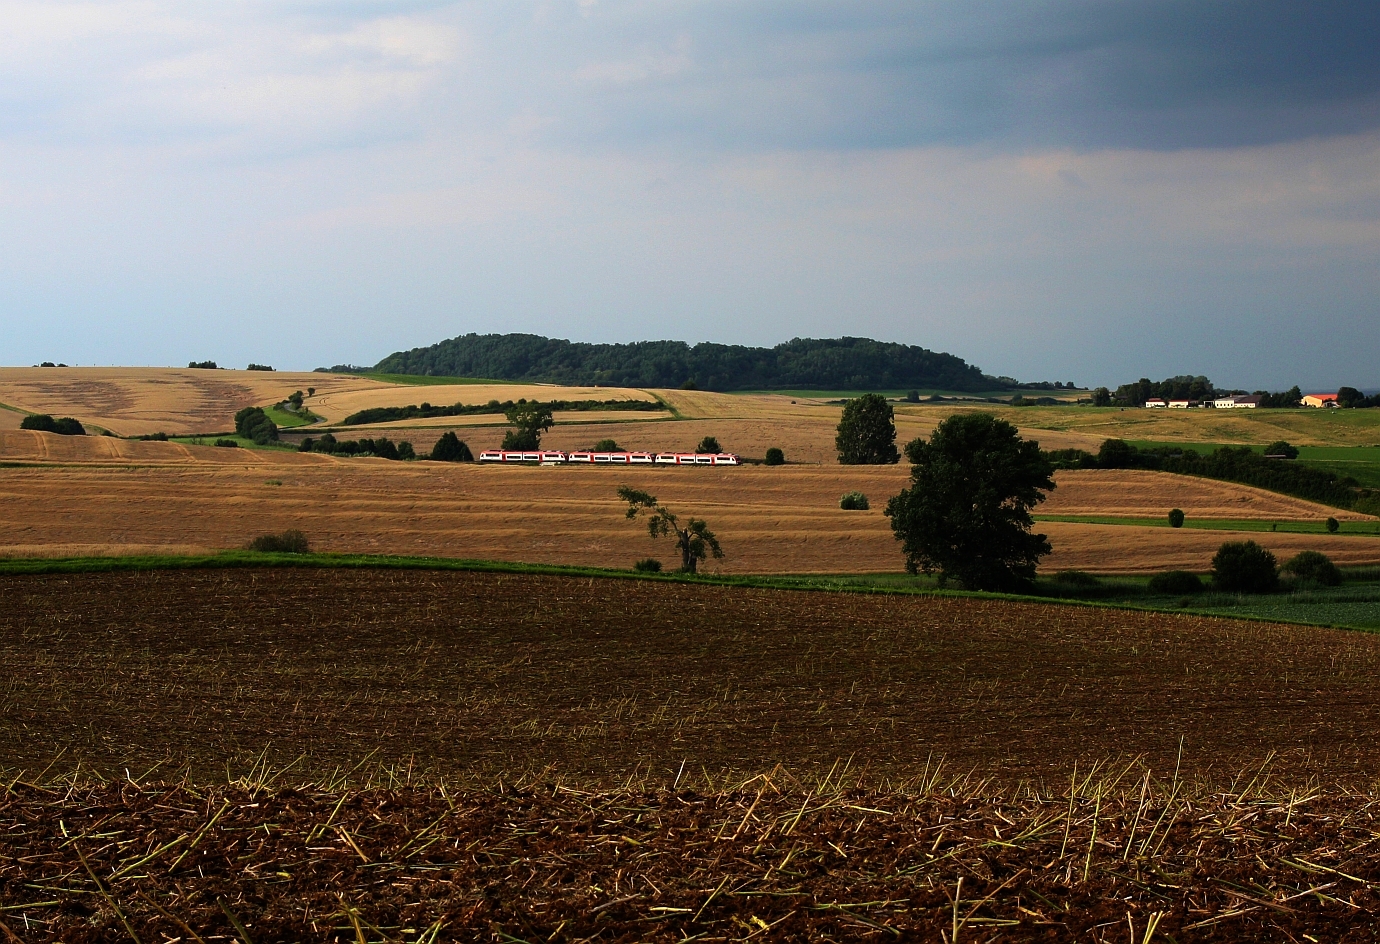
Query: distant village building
{"x": 1237, "y": 403}
{"x": 1155, "y": 404}
{"x": 1320, "y": 400}
{"x": 1180, "y": 404}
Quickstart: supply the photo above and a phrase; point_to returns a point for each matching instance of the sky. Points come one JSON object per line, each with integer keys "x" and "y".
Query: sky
{"x": 1075, "y": 190}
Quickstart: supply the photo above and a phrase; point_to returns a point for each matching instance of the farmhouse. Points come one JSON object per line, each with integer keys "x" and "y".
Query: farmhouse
{"x": 1180, "y": 404}
{"x": 1237, "y": 403}
{"x": 1155, "y": 404}
{"x": 1319, "y": 400}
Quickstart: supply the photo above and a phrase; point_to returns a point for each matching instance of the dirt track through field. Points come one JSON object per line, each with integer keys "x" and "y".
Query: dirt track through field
{"x": 462, "y": 673}
{"x": 107, "y": 496}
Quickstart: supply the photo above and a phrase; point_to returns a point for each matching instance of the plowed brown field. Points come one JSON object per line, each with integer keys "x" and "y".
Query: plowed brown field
{"x": 471, "y": 674}
{"x": 97, "y": 495}
{"x": 1210, "y": 803}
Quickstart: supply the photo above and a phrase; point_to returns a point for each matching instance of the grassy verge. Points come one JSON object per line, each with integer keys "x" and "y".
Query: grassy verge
{"x": 1359, "y": 528}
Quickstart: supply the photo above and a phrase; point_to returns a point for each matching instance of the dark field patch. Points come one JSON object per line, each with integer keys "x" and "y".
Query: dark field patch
{"x": 473, "y": 676}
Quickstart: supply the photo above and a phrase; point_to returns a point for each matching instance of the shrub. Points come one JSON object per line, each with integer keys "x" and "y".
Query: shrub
{"x": 406, "y": 452}
{"x": 648, "y": 565}
{"x": 1076, "y": 579}
{"x": 607, "y": 445}
{"x": 44, "y": 423}
{"x": 1312, "y": 567}
{"x": 290, "y": 541}
{"x": 775, "y": 457}
{"x": 203, "y": 365}
{"x": 913, "y": 396}
{"x": 1282, "y": 449}
{"x": 1176, "y": 518}
{"x": 155, "y": 437}
{"x": 854, "y": 501}
{"x": 1333, "y": 526}
{"x": 258, "y": 367}
{"x": 450, "y": 448}
{"x": 709, "y": 444}
{"x": 1244, "y": 567}
{"x": 1176, "y": 582}
{"x": 227, "y": 444}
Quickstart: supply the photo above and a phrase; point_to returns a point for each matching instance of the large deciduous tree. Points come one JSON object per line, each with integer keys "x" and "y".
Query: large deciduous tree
{"x": 531, "y": 419}
{"x": 966, "y": 515}
{"x": 867, "y": 432}
{"x": 694, "y": 541}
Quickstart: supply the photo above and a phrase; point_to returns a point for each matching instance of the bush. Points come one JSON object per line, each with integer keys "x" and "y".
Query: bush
{"x": 607, "y": 445}
{"x": 1076, "y": 579}
{"x": 291, "y": 541}
{"x": 913, "y": 396}
{"x": 1176, "y": 518}
{"x": 1282, "y": 449}
{"x": 406, "y": 452}
{"x": 450, "y": 448}
{"x": 709, "y": 444}
{"x": 155, "y": 437}
{"x": 648, "y": 565}
{"x": 1333, "y": 526}
{"x": 258, "y": 367}
{"x": 44, "y": 423}
{"x": 227, "y": 444}
{"x": 203, "y": 365}
{"x": 1244, "y": 567}
{"x": 1176, "y": 582}
{"x": 775, "y": 457}
{"x": 1312, "y": 567}
{"x": 854, "y": 501}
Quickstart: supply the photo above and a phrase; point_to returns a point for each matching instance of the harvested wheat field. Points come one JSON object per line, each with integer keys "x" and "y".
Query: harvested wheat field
{"x": 425, "y": 756}
{"x": 96, "y": 495}
{"x": 1137, "y": 493}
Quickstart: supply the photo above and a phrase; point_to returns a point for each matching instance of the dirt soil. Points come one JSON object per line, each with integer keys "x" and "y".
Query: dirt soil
{"x": 765, "y": 861}
{"x": 467, "y": 674}
{"x": 711, "y": 761}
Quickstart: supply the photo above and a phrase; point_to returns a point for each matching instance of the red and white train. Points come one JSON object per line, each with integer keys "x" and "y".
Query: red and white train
{"x": 548, "y": 457}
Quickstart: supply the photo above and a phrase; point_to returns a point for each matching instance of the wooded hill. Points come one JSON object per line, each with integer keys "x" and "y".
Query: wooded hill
{"x": 804, "y": 363}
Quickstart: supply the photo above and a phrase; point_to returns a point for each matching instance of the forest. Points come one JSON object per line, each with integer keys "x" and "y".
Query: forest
{"x": 800, "y": 364}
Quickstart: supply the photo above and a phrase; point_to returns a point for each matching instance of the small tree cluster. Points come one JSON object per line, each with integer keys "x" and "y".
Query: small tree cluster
{"x": 1279, "y": 449}
{"x": 67, "y": 426}
{"x": 451, "y": 448}
{"x": 203, "y": 365}
{"x": 258, "y": 367}
{"x": 253, "y": 423}
{"x": 1311, "y": 568}
{"x": 383, "y": 447}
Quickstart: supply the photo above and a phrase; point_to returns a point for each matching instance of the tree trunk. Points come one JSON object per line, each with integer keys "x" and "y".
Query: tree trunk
{"x": 688, "y": 561}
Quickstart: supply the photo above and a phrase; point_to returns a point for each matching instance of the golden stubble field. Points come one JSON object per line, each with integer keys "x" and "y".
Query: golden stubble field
{"x": 94, "y": 495}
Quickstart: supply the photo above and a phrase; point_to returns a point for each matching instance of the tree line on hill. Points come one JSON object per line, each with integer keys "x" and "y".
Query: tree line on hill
{"x": 1198, "y": 389}
{"x": 389, "y": 414}
{"x": 803, "y": 363}
{"x": 42, "y": 422}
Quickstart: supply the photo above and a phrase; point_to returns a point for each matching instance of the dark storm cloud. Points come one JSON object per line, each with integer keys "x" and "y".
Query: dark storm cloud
{"x": 1157, "y": 74}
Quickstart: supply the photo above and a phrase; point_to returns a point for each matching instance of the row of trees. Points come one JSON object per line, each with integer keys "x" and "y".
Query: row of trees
{"x": 390, "y": 414}
{"x": 803, "y": 363}
{"x": 42, "y": 422}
